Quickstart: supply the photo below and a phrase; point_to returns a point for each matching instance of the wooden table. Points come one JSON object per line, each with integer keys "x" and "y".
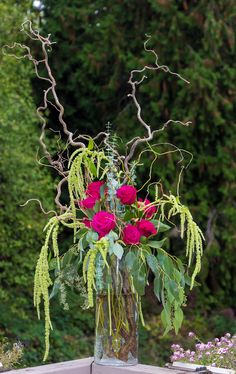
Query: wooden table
{"x": 86, "y": 366}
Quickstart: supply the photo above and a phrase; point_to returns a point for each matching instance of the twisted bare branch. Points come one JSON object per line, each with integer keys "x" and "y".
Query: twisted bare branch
{"x": 41, "y": 207}
{"x": 134, "y": 83}
{"x": 46, "y": 47}
{"x": 50, "y": 98}
{"x": 59, "y": 190}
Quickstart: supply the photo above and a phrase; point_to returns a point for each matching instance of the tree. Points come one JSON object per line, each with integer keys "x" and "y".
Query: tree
{"x": 21, "y": 178}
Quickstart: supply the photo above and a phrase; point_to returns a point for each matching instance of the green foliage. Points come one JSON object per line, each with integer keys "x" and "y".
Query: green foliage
{"x": 169, "y": 284}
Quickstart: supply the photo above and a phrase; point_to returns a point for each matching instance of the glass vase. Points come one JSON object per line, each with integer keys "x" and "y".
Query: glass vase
{"x": 116, "y": 341}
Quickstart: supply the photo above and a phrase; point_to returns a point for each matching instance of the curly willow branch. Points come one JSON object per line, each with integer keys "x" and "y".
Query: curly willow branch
{"x": 157, "y": 154}
{"x": 134, "y": 83}
{"x": 46, "y": 47}
{"x": 40, "y": 205}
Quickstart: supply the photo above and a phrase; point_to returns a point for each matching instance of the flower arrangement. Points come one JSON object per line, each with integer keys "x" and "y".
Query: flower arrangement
{"x": 111, "y": 223}
{"x": 120, "y": 226}
{"x": 219, "y": 352}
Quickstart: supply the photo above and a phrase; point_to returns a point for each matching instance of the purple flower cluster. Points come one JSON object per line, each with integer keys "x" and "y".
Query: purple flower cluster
{"x": 219, "y": 352}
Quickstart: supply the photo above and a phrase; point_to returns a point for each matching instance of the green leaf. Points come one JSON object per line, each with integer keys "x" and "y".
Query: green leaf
{"x": 178, "y": 319}
{"x": 166, "y": 318}
{"x": 152, "y": 263}
{"x": 118, "y": 250}
{"x": 102, "y": 191}
{"x": 81, "y": 232}
{"x": 130, "y": 259}
{"x": 91, "y": 236}
{"x": 90, "y": 144}
{"x": 89, "y": 213}
{"x": 96, "y": 207}
{"x": 112, "y": 236}
{"x": 157, "y": 286}
{"x": 143, "y": 240}
{"x": 172, "y": 287}
{"x": 67, "y": 258}
{"x": 53, "y": 264}
{"x": 188, "y": 281}
{"x": 82, "y": 244}
{"x": 92, "y": 168}
{"x": 128, "y": 216}
{"x": 55, "y": 289}
{"x": 156, "y": 244}
{"x": 108, "y": 279}
{"x": 146, "y": 249}
{"x": 139, "y": 279}
{"x": 180, "y": 265}
{"x": 179, "y": 277}
{"x": 161, "y": 227}
{"x": 166, "y": 263}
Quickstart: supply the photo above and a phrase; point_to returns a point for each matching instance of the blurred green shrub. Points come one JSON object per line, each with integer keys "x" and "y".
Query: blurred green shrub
{"x": 21, "y": 178}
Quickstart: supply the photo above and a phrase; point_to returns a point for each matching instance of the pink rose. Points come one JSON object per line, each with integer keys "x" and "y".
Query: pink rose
{"x": 93, "y": 193}
{"x": 93, "y": 189}
{"x": 131, "y": 235}
{"x": 146, "y": 228}
{"x": 103, "y": 222}
{"x": 127, "y": 194}
{"x": 149, "y": 211}
{"x": 88, "y": 203}
{"x": 87, "y": 223}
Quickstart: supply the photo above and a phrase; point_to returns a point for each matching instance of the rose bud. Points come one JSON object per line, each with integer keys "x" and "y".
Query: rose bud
{"x": 87, "y": 223}
{"x": 103, "y": 222}
{"x": 93, "y": 189}
{"x": 146, "y": 228}
{"x": 131, "y": 235}
{"x": 149, "y": 211}
{"x": 127, "y": 194}
{"x": 88, "y": 203}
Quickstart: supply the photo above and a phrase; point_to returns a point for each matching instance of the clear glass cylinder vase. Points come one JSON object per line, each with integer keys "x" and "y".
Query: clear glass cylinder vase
{"x": 116, "y": 340}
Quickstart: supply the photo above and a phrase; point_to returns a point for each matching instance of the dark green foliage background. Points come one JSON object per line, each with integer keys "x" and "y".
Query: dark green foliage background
{"x": 98, "y": 43}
